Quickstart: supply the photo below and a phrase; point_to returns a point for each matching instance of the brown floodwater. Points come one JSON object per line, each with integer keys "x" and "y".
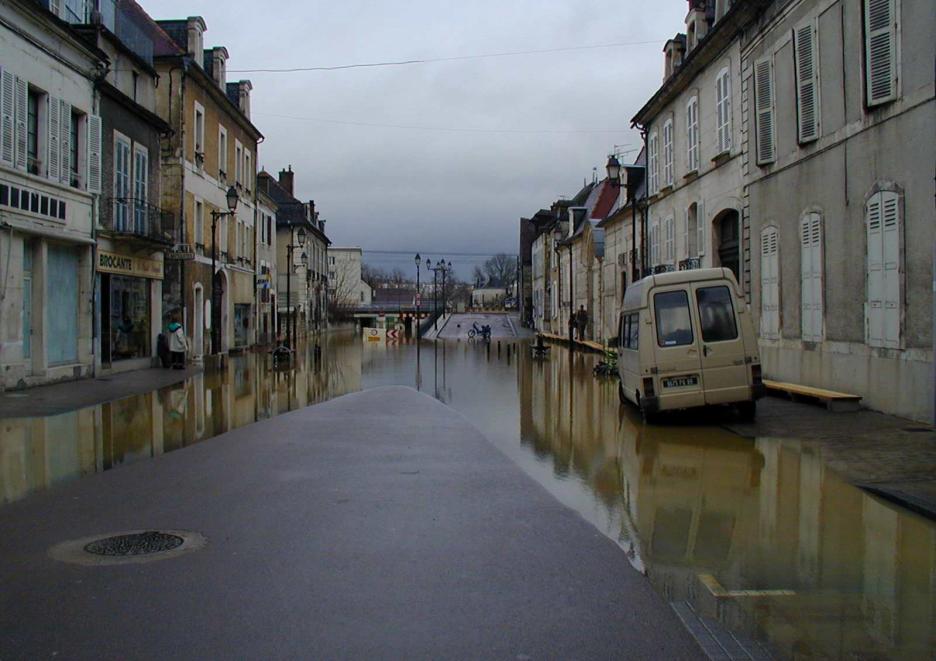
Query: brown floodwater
{"x": 757, "y": 534}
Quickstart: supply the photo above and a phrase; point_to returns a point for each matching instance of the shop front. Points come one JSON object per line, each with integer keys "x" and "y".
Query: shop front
{"x": 131, "y": 300}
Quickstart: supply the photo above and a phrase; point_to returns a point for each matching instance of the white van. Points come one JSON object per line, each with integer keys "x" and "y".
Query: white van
{"x": 686, "y": 339}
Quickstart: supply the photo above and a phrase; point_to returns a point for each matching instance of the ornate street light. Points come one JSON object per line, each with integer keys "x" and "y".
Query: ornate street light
{"x": 614, "y": 170}
{"x": 418, "y": 261}
{"x": 231, "y": 197}
{"x": 300, "y": 238}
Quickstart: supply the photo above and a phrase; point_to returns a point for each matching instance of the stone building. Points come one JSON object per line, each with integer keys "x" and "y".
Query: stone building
{"x": 838, "y": 135}
{"x": 133, "y": 231}
{"x": 50, "y": 180}
{"x": 692, "y": 128}
{"x": 302, "y": 284}
{"x": 212, "y": 151}
{"x": 345, "y": 287}
{"x": 266, "y": 266}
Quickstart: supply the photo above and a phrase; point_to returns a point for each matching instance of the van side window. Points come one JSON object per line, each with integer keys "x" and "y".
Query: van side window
{"x": 629, "y": 327}
{"x": 634, "y": 331}
{"x": 674, "y": 325}
{"x": 716, "y": 314}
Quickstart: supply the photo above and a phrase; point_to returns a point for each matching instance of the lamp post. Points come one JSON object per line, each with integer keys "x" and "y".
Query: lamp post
{"x": 440, "y": 268}
{"x": 446, "y": 269}
{"x": 418, "y": 261}
{"x": 300, "y": 241}
{"x": 231, "y": 197}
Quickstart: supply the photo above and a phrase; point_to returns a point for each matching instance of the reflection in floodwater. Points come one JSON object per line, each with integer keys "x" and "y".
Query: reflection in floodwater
{"x": 757, "y": 534}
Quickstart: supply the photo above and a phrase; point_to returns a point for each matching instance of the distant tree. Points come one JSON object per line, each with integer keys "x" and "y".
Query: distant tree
{"x": 501, "y": 271}
{"x": 373, "y": 275}
{"x": 478, "y": 277}
{"x": 397, "y": 278}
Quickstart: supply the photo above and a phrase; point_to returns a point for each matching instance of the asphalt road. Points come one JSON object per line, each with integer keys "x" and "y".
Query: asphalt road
{"x": 459, "y": 325}
{"x": 377, "y": 525}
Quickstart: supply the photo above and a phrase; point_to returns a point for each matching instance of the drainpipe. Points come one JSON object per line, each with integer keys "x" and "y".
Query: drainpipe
{"x": 99, "y": 76}
{"x": 934, "y": 332}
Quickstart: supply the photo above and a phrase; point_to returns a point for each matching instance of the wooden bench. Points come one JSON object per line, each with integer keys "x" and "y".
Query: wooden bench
{"x": 834, "y": 401}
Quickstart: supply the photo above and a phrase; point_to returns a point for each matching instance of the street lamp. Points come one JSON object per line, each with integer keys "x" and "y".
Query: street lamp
{"x": 614, "y": 170}
{"x": 231, "y": 197}
{"x": 633, "y": 175}
{"x": 443, "y": 268}
{"x": 418, "y": 261}
{"x": 557, "y": 235}
{"x": 304, "y": 259}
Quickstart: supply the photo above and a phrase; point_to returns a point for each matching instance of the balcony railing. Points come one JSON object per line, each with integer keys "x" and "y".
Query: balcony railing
{"x": 662, "y": 268}
{"x": 690, "y": 264}
{"x": 137, "y": 218}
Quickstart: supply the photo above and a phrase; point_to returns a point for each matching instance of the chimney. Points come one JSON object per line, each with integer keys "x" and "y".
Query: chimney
{"x": 696, "y": 24}
{"x": 243, "y": 96}
{"x": 218, "y": 63}
{"x": 195, "y": 30}
{"x": 312, "y": 214}
{"x": 286, "y": 179}
{"x": 675, "y": 51}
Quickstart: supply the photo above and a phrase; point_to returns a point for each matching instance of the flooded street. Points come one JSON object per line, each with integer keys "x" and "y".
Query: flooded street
{"x": 756, "y": 534}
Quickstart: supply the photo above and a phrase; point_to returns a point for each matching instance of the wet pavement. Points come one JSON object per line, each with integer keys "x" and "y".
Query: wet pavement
{"x": 757, "y": 534}
{"x": 459, "y": 325}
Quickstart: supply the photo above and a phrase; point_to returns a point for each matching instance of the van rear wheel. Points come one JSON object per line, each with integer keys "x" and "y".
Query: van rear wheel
{"x": 621, "y": 394}
{"x": 747, "y": 410}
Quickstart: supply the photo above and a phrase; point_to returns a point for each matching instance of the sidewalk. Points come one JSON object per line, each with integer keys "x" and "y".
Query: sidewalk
{"x": 405, "y": 534}
{"x": 891, "y": 457}
{"x": 70, "y": 395}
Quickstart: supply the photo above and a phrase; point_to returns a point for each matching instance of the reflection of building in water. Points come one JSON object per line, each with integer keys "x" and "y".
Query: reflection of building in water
{"x": 758, "y": 517}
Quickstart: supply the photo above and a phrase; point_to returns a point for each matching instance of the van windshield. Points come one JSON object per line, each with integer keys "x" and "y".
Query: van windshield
{"x": 674, "y": 326}
{"x": 716, "y": 314}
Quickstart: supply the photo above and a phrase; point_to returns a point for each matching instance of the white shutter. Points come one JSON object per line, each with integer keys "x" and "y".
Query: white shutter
{"x": 811, "y": 241}
{"x": 685, "y": 236}
{"x": 880, "y": 51}
{"x": 654, "y": 163}
{"x": 770, "y": 284}
{"x": 807, "y": 84}
{"x": 670, "y": 239}
{"x": 875, "y": 310}
{"x": 7, "y": 123}
{"x": 55, "y": 156}
{"x": 668, "y": 153}
{"x": 723, "y": 108}
{"x": 764, "y": 102}
{"x": 692, "y": 134}
{"x": 701, "y": 228}
{"x": 892, "y": 271}
{"x": 94, "y": 154}
{"x": 21, "y": 118}
{"x": 65, "y": 142}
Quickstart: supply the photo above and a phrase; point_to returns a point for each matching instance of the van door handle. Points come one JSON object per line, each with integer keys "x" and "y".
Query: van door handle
{"x": 705, "y": 350}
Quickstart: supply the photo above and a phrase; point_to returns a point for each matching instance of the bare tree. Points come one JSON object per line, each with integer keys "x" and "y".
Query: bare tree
{"x": 397, "y": 278}
{"x": 478, "y": 277}
{"x": 373, "y": 275}
{"x": 501, "y": 270}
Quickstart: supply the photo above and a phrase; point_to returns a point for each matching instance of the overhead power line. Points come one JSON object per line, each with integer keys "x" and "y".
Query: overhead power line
{"x": 454, "y": 58}
{"x": 447, "y": 129}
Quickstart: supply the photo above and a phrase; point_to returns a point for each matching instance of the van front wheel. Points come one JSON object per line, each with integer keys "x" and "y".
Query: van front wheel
{"x": 747, "y": 410}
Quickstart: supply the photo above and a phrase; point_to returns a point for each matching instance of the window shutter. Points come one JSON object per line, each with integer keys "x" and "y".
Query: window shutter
{"x": 811, "y": 237}
{"x": 65, "y": 142}
{"x": 723, "y": 109}
{"x": 875, "y": 311}
{"x": 807, "y": 85}
{"x": 892, "y": 271}
{"x": 6, "y": 117}
{"x": 21, "y": 118}
{"x": 880, "y": 51}
{"x": 94, "y": 154}
{"x": 701, "y": 228}
{"x": 55, "y": 6}
{"x": 770, "y": 290}
{"x": 55, "y": 156}
{"x": 685, "y": 235}
{"x": 763, "y": 91}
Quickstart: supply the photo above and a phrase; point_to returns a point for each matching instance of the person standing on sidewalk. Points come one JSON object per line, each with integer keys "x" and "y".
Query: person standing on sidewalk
{"x": 177, "y": 343}
{"x": 581, "y": 322}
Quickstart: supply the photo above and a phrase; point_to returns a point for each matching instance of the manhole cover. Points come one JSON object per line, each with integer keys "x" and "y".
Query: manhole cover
{"x": 131, "y": 546}
{"x": 142, "y": 543}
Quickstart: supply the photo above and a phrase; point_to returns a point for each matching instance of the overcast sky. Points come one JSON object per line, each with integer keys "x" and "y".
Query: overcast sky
{"x": 439, "y": 191}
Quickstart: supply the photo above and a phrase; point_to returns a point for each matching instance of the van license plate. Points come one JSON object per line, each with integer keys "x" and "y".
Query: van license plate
{"x": 681, "y": 381}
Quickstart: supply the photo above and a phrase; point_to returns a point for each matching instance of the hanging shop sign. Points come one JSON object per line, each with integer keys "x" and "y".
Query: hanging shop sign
{"x": 138, "y": 267}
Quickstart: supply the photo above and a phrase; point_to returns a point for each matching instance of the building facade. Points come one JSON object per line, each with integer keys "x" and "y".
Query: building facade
{"x": 133, "y": 232}
{"x": 211, "y": 151}
{"x": 345, "y": 287}
{"x": 302, "y": 271}
{"x": 692, "y": 128}
{"x": 266, "y": 266}
{"x": 839, "y": 180}
{"x": 50, "y": 181}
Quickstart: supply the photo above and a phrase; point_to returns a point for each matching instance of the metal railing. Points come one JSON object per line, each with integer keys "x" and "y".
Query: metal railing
{"x": 133, "y": 217}
{"x": 690, "y": 264}
{"x": 662, "y": 268}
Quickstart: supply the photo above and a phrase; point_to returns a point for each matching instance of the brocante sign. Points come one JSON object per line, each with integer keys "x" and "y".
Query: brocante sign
{"x": 139, "y": 267}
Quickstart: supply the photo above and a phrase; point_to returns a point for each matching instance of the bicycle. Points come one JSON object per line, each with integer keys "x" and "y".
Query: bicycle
{"x": 484, "y": 331}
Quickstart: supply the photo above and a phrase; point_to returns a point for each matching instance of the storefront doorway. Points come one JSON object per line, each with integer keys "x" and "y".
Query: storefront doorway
{"x": 729, "y": 244}
{"x": 125, "y": 318}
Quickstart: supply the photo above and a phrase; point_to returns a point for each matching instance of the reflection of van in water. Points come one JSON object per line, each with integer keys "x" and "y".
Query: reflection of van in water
{"x": 686, "y": 339}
